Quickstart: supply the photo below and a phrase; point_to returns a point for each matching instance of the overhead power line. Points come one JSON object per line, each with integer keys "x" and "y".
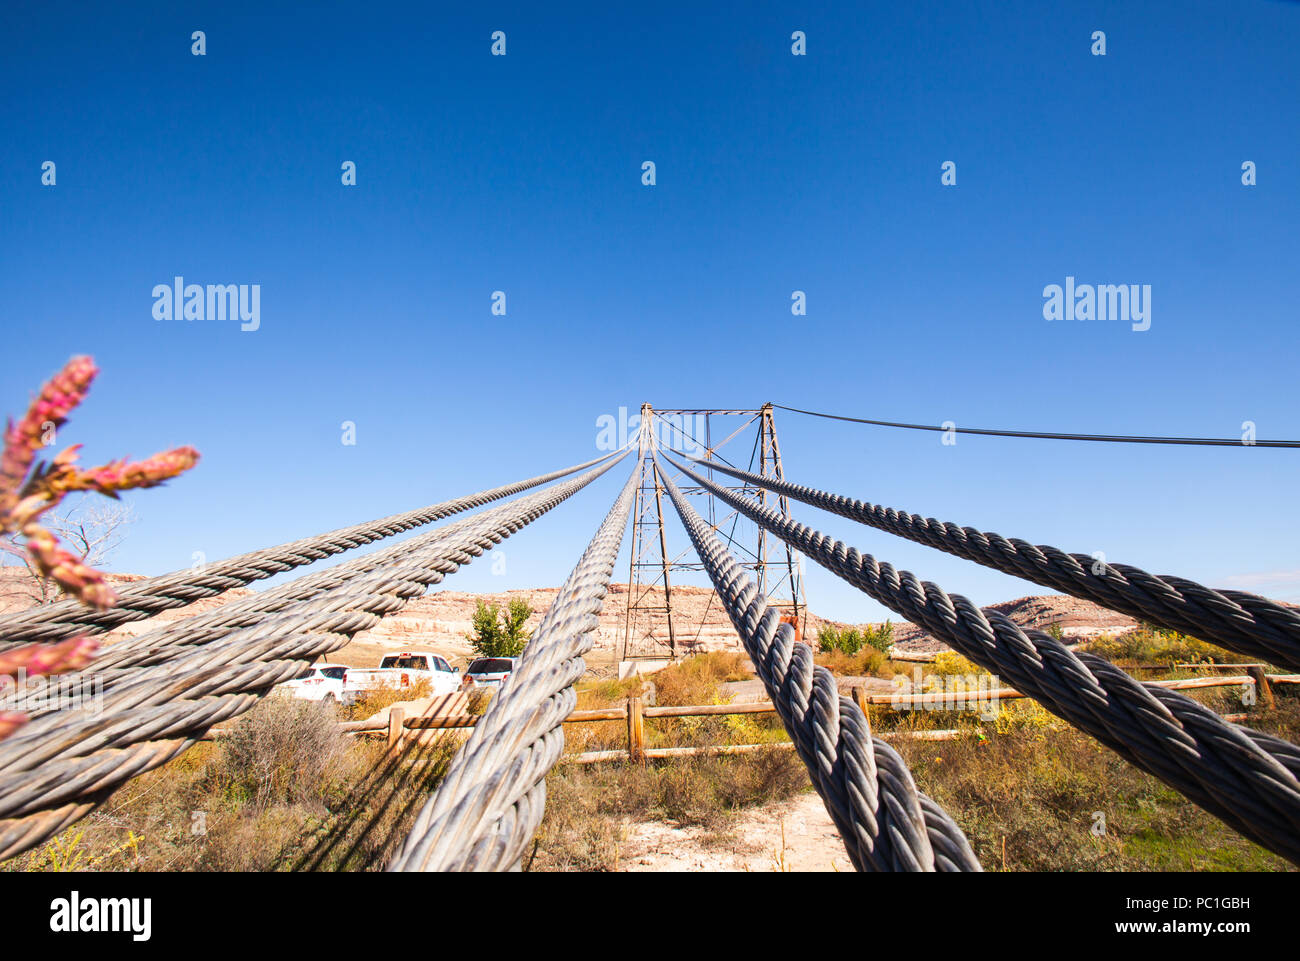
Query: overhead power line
{"x": 1054, "y": 435}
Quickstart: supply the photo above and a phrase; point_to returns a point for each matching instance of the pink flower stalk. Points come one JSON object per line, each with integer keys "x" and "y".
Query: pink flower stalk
{"x": 29, "y": 488}
{"x": 41, "y": 659}
{"x": 10, "y": 721}
{"x": 38, "y": 660}
{"x": 66, "y": 569}
{"x": 119, "y": 475}
{"x": 63, "y": 392}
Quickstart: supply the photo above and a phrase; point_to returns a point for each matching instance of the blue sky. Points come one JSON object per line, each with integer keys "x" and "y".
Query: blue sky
{"x": 775, "y": 173}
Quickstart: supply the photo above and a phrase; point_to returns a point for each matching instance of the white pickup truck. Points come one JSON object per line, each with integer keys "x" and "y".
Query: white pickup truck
{"x": 402, "y": 671}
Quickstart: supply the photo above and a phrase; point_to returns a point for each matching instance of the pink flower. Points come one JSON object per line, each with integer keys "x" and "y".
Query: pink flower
{"x": 40, "y": 659}
{"x": 29, "y": 488}
{"x": 10, "y": 721}
{"x": 63, "y": 392}
{"x": 37, "y": 660}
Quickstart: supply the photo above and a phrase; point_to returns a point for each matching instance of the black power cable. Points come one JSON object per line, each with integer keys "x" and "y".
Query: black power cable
{"x": 1052, "y": 435}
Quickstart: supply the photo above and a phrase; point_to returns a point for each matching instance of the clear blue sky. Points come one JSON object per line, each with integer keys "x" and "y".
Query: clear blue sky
{"x": 774, "y": 173}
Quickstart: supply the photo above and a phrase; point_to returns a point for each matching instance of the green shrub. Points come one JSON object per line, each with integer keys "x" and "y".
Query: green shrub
{"x": 500, "y": 633}
{"x": 881, "y": 638}
{"x": 850, "y": 640}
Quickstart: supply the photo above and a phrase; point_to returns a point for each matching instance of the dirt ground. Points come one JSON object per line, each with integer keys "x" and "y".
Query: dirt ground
{"x": 794, "y": 835}
{"x": 747, "y": 692}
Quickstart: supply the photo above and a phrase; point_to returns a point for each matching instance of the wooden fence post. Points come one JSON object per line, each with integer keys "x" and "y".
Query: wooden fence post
{"x": 860, "y": 699}
{"x": 1263, "y": 689}
{"x": 396, "y": 718}
{"x": 635, "y": 729}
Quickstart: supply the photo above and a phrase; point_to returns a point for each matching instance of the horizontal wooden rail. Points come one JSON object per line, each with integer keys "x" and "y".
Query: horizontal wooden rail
{"x": 708, "y": 710}
{"x": 942, "y": 700}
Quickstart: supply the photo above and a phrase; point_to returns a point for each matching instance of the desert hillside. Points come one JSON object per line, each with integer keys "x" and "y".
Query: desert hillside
{"x": 440, "y": 620}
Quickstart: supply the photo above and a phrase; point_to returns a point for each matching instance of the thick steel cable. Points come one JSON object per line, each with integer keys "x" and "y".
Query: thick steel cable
{"x": 887, "y": 824}
{"x": 490, "y": 804}
{"x": 144, "y": 599}
{"x": 1242, "y": 622}
{"x": 1249, "y": 780}
{"x": 457, "y": 545}
{"x": 1053, "y": 435}
{"x": 61, "y": 764}
{"x": 170, "y": 641}
{"x": 42, "y": 785}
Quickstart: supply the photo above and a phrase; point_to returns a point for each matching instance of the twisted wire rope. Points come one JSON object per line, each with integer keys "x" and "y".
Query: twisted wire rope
{"x": 64, "y": 763}
{"x": 144, "y": 599}
{"x": 341, "y": 610}
{"x": 1248, "y": 779}
{"x": 168, "y": 642}
{"x": 887, "y": 824}
{"x": 1239, "y": 621}
{"x": 491, "y": 802}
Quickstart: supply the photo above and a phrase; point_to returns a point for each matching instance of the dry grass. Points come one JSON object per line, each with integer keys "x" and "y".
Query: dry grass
{"x": 865, "y": 663}
{"x": 376, "y": 699}
{"x": 1029, "y": 800}
{"x": 694, "y": 680}
{"x": 284, "y": 791}
{"x": 1159, "y": 647}
{"x": 287, "y": 791}
{"x": 589, "y": 806}
{"x": 1028, "y": 789}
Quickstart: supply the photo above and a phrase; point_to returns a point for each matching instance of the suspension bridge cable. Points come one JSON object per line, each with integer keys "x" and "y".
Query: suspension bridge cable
{"x": 1053, "y": 435}
{"x": 62, "y": 765}
{"x": 167, "y": 642}
{"x": 144, "y": 599}
{"x": 1237, "y": 620}
{"x": 1249, "y": 780}
{"x": 491, "y": 802}
{"x": 886, "y": 823}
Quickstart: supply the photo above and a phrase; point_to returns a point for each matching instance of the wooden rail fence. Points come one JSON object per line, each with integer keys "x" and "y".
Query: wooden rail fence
{"x": 398, "y": 726}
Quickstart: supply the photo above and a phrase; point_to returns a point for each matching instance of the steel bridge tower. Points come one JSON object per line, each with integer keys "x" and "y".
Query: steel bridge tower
{"x": 651, "y": 628}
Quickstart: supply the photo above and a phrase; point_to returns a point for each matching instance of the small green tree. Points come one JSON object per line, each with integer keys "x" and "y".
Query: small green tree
{"x": 499, "y": 633}
{"x": 850, "y": 640}
{"x": 827, "y": 639}
{"x": 881, "y": 638}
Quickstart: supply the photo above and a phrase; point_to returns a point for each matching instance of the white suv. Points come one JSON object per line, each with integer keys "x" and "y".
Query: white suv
{"x": 490, "y": 672}
{"x": 318, "y": 683}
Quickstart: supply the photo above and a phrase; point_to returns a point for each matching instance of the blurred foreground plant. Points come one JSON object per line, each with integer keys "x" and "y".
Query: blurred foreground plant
{"x": 30, "y": 487}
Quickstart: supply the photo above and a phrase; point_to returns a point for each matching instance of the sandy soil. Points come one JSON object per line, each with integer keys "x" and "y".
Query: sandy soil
{"x": 752, "y": 842}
